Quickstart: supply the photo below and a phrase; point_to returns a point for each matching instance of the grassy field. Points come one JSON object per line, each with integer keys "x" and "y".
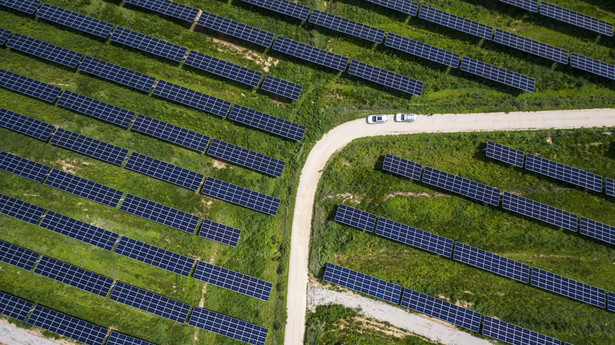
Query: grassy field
{"x": 328, "y": 99}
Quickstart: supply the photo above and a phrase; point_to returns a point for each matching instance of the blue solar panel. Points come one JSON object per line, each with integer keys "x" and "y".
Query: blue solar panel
{"x": 219, "y": 232}
{"x": 150, "y": 302}
{"x": 540, "y": 211}
{"x": 267, "y": 123}
{"x": 164, "y": 171}
{"x": 228, "y": 326}
{"x": 247, "y": 158}
{"x": 160, "y": 213}
{"x": 577, "y": 19}
{"x": 95, "y": 108}
{"x": 171, "y": 133}
{"x": 611, "y": 305}
{"x": 26, "y": 6}
{"x": 45, "y": 50}
{"x": 597, "y": 230}
{"x": 84, "y": 188}
{"x": 512, "y": 334}
{"x": 505, "y": 154}
{"x": 75, "y": 20}
{"x": 74, "y": 276}
{"x": 568, "y": 287}
{"x": 471, "y": 27}
{"x": 79, "y": 230}
{"x": 563, "y": 172}
{"x": 17, "y": 256}
{"x": 386, "y": 78}
{"x": 498, "y": 74}
{"x": 309, "y": 53}
{"x": 241, "y": 196}
{"x": 530, "y": 5}
{"x": 590, "y": 65}
{"x": 440, "y": 309}
{"x": 4, "y": 36}
{"x": 492, "y": 262}
{"x": 235, "y": 29}
{"x": 282, "y": 87}
{"x": 355, "y": 218}
{"x": 283, "y": 7}
{"x": 531, "y": 46}
{"x": 67, "y": 326}
{"x": 423, "y": 50}
{"x": 463, "y": 186}
{"x": 362, "y": 283}
{"x": 117, "y": 74}
{"x": 23, "y": 167}
{"x": 402, "y": 167}
{"x": 609, "y": 187}
{"x": 149, "y": 44}
{"x": 155, "y": 256}
{"x": 29, "y": 86}
{"x": 347, "y": 26}
{"x": 89, "y": 147}
{"x": 116, "y": 338}
{"x": 408, "y": 7}
{"x": 414, "y": 237}
{"x": 14, "y": 307}
{"x": 169, "y": 8}
{"x": 232, "y": 280}
{"x": 25, "y": 125}
{"x": 20, "y": 209}
{"x": 223, "y": 68}
{"x": 192, "y": 98}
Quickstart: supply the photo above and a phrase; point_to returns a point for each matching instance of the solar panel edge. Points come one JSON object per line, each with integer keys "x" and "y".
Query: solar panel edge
{"x": 392, "y": 293}
{"x": 366, "y": 221}
{"x": 538, "y": 275}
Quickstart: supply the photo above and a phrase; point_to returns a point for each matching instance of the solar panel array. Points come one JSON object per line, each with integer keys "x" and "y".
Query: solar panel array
{"x": 164, "y": 171}
{"x": 505, "y": 154}
{"x": 577, "y": 19}
{"x": 171, "y": 133}
{"x": 95, "y": 108}
{"x": 149, "y": 44}
{"x": 563, "y": 172}
{"x": 513, "y": 334}
{"x": 67, "y": 326}
{"x": 25, "y": 125}
{"x": 117, "y": 74}
{"x": 362, "y": 283}
{"x": 192, "y": 98}
{"x": 408, "y": 7}
{"x": 223, "y": 68}
{"x": 463, "y": 186}
{"x": 267, "y": 123}
{"x": 235, "y": 29}
{"x": 347, "y": 26}
{"x": 29, "y": 86}
{"x": 440, "y": 309}
{"x": 540, "y": 211}
{"x": 79, "y": 230}
{"x": 247, "y": 158}
{"x": 423, "y": 50}
{"x": 228, "y": 326}
{"x": 492, "y": 262}
{"x": 155, "y": 256}
{"x": 282, "y": 87}
{"x": 116, "y": 338}
{"x": 20, "y": 209}
{"x": 241, "y": 196}
{"x": 89, "y": 147}
{"x": 386, "y": 78}
{"x": 568, "y": 287}
{"x": 597, "y": 230}
{"x": 45, "y": 50}
{"x": 75, "y": 20}
{"x": 402, "y": 167}
{"x": 169, "y": 8}
{"x": 23, "y": 167}
{"x": 74, "y": 276}
{"x": 219, "y": 232}
{"x": 17, "y": 256}
{"x": 611, "y": 298}
{"x": 232, "y": 280}
{"x": 309, "y": 53}
{"x": 529, "y": 5}
{"x": 355, "y": 218}
{"x": 593, "y": 66}
{"x": 159, "y": 213}
{"x": 150, "y": 302}
{"x": 609, "y": 187}
{"x": 26, "y": 6}
{"x": 84, "y": 188}
{"x": 471, "y": 27}
{"x": 283, "y": 7}
{"x": 498, "y": 74}
{"x": 14, "y": 307}
{"x": 414, "y": 237}
{"x": 4, "y": 35}
{"x": 527, "y": 45}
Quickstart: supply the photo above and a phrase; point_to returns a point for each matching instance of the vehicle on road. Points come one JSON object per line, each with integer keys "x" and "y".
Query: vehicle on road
{"x": 377, "y": 119}
{"x": 403, "y": 117}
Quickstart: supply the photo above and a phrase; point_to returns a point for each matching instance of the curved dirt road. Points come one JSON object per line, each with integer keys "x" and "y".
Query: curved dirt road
{"x": 343, "y": 134}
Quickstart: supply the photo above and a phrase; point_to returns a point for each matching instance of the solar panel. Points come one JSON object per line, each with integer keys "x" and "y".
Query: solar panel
{"x": 309, "y": 53}
{"x": 223, "y": 68}
{"x": 423, "y": 50}
{"x": 192, "y": 98}
{"x": 611, "y": 305}
{"x": 498, "y": 74}
{"x": 235, "y": 29}
{"x": 116, "y": 338}
{"x": 23, "y": 167}
{"x": 530, "y": 5}
{"x": 75, "y": 20}
{"x": 414, "y": 237}
{"x": 408, "y": 7}
{"x": 14, "y": 307}
{"x": 26, "y": 6}
{"x": 89, "y": 147}
{"x": 232, "y": 280}
{"x": 492, "y": 262}
{"x": 471, "y": 27}
{"x": 148, "y": 44}
{"x": 402, "y": 167}
{"x": 79, "y": 230}
{"x": 355, "y": 218}
{"x": 67, "y": 325}
{"x": 267, "y": 123}
{"x": 505, "y": 154}
{"x": 45, "y": 50}
{"x": 169, "y": 8}
{"x": 282, "y": 87}
{"x": 463, "y": 186}
{"x": 160, "y": 213}
{"x": 362, "y": 283}
{"x": 540, "y": 211}
{"x": 219, "y": 232}
{"x": 347, "y": 26}
{"x": 155, "y": 256}
{"x": 531, "y": 46}
{"x": 241, "y": 196}
{"x": 563, "y": 172}
{"x": 597, "y": 230}
{"x": 440, "y": 309}
{"x": 283, "y": 7}
{"x": 171, "y": 133}
{"x": 150, "y": 302}
{"x": 164, "y": 171}
{"x": 386, "y": 78}
{"x": 228, "y": 326}
{"x": 590, "y": 65}
{"x": 17, "y": 256}
{"x": 84, "y": 188}
{"x": 247, "y": 158}
{"x": 74, "y": 276}
{"x": 4, "y": 36}
{"x": 29, "y": 86}
{"x": 95, "y": 108}
{"x": 609, "y": 187}
{"x": 513, "y": 334}
{"x": 25, "y": 125}
{"x": 20, "y": 209}
{"x": 568, "y": 287}
{"x": 117, "y": 74}
{"x": 577, "y": 19}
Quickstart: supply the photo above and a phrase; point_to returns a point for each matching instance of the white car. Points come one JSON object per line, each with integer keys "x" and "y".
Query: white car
{"x": 377, "y": 119}
{"x": 403, "y": 117}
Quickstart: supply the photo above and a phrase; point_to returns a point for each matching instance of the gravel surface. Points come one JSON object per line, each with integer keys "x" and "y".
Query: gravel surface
{"x": 12, "y": 335}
